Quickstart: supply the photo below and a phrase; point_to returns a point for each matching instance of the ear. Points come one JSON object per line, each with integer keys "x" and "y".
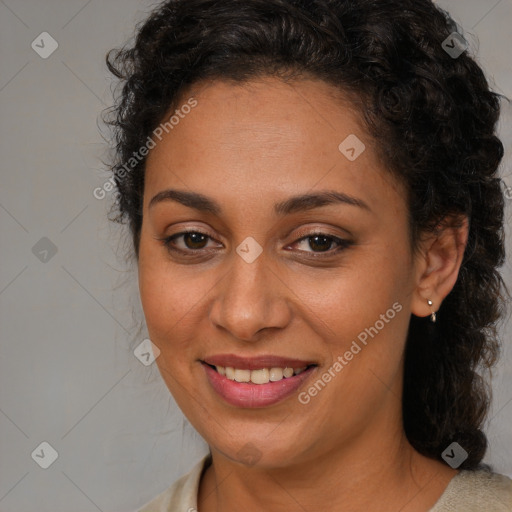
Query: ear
{"x": 437, "y": 264}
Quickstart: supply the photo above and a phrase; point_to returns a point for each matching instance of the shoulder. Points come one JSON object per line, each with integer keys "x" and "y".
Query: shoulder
{"x": 182, "y": 494}
{"x": 474, "y": 491}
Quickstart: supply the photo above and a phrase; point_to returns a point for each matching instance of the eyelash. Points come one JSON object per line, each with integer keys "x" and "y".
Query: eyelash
{"x": 342, "y": 244}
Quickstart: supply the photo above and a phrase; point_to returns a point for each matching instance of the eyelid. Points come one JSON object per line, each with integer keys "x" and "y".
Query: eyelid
{"x": 308, "y": 231}
{"x": 166, "y": 240}
{"x": 341, "y": 244}
{"x": 317, "y": 230}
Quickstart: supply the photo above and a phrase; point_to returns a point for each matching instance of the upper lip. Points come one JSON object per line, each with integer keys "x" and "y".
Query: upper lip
{"x": 255, "y": 363}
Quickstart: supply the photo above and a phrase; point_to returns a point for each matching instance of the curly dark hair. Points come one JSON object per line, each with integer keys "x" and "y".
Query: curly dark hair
{"x": 432, "y": 116}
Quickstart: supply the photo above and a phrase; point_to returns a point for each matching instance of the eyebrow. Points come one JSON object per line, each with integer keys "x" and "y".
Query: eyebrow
{"x": 294, "y": 204}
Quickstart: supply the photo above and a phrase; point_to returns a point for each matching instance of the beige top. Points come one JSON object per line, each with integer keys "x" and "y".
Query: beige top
{"x": 468, "y": 491}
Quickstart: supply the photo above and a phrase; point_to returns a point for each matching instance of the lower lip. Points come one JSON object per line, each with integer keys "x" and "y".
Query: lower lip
{"x": 246, "y": 394}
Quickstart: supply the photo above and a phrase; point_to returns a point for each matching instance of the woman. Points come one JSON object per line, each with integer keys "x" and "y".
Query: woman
{"x": 312, "y": 191}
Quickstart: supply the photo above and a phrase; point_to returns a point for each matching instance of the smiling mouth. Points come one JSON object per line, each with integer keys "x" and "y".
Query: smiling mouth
{"x": 259, "y": 376}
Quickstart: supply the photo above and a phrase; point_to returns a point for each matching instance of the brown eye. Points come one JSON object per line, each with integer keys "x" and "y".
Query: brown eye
{"x": 322, "y": 243}
{"x": 194, "y": 240}
{"x": 186, "y": 241}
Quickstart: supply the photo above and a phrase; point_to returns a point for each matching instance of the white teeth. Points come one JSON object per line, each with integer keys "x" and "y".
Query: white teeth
{"x": 260, "y": 376}
{"x": 242, "y": 375}
{"x": 276, "y": 374}
{"x": 263, "y": 376}
{"x": 287, "y": 372}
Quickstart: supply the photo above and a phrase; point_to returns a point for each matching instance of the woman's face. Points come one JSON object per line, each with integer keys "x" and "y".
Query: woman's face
{"x": 268, "y": 280}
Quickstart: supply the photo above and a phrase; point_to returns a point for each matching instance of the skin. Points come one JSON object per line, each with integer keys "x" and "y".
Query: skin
{"x": 247, "y": 147}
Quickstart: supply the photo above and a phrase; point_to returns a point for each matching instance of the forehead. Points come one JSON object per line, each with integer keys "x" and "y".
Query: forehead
{"x": 268, "y": 137}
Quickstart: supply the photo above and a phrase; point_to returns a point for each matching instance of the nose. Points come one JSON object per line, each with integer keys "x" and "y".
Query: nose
{"x": 250, "y": 298}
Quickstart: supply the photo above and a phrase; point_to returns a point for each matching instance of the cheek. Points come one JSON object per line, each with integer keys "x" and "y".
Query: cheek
{"x": 157, "y": 298}
{"x": 165, "y": 304}
{"x": 362, "y": 316}
{"x": 173, "y": 300}
{"x": 354, "y": 296}
{"x": 158, "y": 294}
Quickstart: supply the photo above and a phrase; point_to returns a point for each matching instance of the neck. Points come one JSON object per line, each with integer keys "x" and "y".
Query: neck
{"x": 369, "y": 473}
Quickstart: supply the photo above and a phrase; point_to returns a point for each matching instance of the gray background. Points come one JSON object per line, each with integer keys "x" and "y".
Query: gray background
{"x": 69, "y": 321}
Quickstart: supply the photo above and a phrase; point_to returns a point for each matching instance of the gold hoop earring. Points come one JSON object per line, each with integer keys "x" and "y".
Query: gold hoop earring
{"x": 433, "y": 317}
